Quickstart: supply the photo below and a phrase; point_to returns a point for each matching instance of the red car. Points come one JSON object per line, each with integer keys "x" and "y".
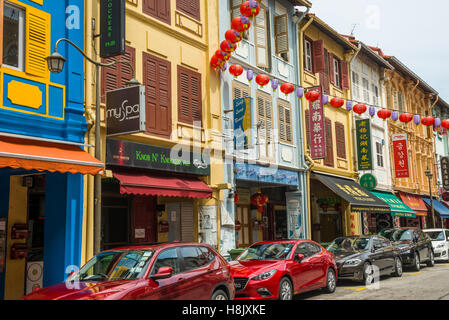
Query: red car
{"x": 280, "y": 269}
{"x": 175, "y": 271}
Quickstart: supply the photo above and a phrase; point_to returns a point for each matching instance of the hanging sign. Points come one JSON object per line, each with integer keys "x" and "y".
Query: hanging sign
{"x": 112, "y": 28}
{"x": 317, "y": 129}
{"x": 368, "y": 181}
{"x": 364, "y": 151}
{"x": 242, "y": 123}
{"x": 400, "y": 154}
{"x": 445, "y": 172}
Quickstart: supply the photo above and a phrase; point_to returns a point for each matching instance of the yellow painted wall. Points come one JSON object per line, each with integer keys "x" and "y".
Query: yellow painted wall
{"x": 18, "y": 213}
{"x": 187, "y": 42}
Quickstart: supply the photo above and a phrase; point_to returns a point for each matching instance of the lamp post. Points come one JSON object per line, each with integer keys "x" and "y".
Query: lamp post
{"x": 56, "y": 64}
{"x": 429, "y": 175}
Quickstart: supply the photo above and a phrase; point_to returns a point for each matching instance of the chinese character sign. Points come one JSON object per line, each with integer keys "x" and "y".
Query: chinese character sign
{"x": 364, "y": 151}
{"x": 317, "y": 130}
{"x": 445, "y": 172}
{"x": 400, "y": 154}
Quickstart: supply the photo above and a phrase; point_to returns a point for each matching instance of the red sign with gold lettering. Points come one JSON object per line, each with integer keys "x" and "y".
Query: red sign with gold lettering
{"x": 400, "y": 154}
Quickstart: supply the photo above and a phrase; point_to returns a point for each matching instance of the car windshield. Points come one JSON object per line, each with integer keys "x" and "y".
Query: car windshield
{"x": 435, "y": 235}
{"x": 115, "y": 265}
{"x": 349, "y": 244}
{"x": 397, "y": 235}
{"x": 267, "y": 251}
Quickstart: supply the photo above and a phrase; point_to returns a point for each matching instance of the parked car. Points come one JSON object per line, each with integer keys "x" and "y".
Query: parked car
{"x": 356, "y": 255}
{"x": 171, "y": 271}
{"x": 280, "y": 269}
{"x": 440, "y": 243}
{"x": 416, "y": 247}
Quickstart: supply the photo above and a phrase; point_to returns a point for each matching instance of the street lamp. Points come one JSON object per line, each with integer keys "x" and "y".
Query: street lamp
{"x": 56, "y": 64}
{"x": 429, "y": 175}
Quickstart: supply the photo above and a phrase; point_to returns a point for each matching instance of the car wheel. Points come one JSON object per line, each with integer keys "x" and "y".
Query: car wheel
{"x": 417, "y": 265}
{"x": 331, "y": 283}
{"x": 397, "y": 267}
{"x": 285, "y": 290}
{"x": 367, "y": 273}
{"x": 219, "y": 295}
{"x": 431, "y": 261}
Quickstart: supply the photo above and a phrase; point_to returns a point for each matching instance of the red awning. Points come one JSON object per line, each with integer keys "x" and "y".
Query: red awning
{"x": 164, "y": 186}
{"x": 414, "y": 202}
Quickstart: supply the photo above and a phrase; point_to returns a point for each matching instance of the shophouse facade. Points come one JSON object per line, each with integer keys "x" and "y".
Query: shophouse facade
{"x": 42, "y": 152}
{"x": 157, "y": 186}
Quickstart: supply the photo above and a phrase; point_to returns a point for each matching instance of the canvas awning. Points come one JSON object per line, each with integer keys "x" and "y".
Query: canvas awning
{"x": 438, "y": 206}
{"x": 415, "y": 202}
{"x": 398, "y": 207}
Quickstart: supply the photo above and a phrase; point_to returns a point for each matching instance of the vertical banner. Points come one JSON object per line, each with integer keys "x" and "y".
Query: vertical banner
{"x": 112, "y": 28}
{"x": 242, "y": 123}
{"x": 294, "y": 216}
{"x": 445, "y": 172}
{"x": 364, "y": 150}
{"x": 400, "y": 154}
{"x": 317, "y": 130}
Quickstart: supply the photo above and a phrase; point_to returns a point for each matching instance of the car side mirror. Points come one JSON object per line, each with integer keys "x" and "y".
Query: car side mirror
{"x": 163, "y": 273}
{"x": 299, "y": 257}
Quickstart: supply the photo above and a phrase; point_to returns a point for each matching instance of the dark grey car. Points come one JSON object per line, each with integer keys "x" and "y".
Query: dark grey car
{"x": 357, "y": 255}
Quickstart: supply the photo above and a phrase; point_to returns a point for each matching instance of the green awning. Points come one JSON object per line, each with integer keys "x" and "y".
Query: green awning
{"x": 398, "y": 208}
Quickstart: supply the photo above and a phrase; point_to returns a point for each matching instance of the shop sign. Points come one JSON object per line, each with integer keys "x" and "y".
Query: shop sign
{"x": 400, "y": 154}
{"x": 135, "y": 155}
{"x": 112, "y": 28}
{"x": 125, "y": 111}
{"x": 364, "y": 151}
{"x": 242, "y": 123}
{"x": 294, "y": 217}
{"x": 317, "y": 128}
{"x": 368, "y": 181}
{"x": 445, "y": 172}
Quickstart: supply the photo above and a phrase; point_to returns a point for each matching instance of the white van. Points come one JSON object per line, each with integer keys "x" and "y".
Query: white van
{"x": 440, "y": 243}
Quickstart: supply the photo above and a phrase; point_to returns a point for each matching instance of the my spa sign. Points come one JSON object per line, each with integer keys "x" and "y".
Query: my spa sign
{"x": 136, "y": 155}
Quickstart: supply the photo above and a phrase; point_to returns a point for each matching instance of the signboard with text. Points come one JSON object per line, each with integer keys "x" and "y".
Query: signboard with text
{"x": 242, "y": 123}
{"x": 125, "y": 111}
{"x": 445, "y": 172}
{"x": 364, "y": 151}
{"x": 317, "y": 129}
{"x": 400, "y": 155}
{"x": 112, "y": 28}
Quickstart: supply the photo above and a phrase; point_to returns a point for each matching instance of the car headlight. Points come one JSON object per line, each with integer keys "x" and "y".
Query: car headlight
{"x": 265, "y": 275}
{"x": 352, "y": 262}
{"x": 441, "y": 245}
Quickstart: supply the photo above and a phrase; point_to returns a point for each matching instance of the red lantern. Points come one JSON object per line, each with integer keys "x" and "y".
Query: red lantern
{"x": 247, "y": 11}
{"x": 236, "y": 70}
{"x": 219, "y": 55}
{"x": 233, "y": 36}
{"x": 262, "y": 80}
{"x": 214, "y": 62}
{"x": 360, "y": 109}
{"x": 227, "y": 46}
{"x": 428, "y": 121}
{"x": 236, "y": 198}
{"x": 237, "y": 25}
{"x": 312, "y": 95}
{"x": 384, "y": 114}
{"x": 337, "y": 102}
{"x": 405, "y": 117}
{"x": 287, "y": 88}
{"x": 445, "y": 124}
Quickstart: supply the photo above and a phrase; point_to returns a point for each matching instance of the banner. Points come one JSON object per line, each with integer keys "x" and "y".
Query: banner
{"x": 445, "y": 172}
{"x": 364, "y": 151}
{"x": 317, "y": 129}
{"x": 242, "y": 123}
{"x": 400, "y": 154}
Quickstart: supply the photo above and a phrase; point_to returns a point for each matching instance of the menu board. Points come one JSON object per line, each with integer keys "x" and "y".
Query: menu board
{"x": 2, "y": 244}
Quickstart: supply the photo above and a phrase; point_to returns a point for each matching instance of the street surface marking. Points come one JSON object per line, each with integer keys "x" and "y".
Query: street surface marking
{"x": 361, "y": 289}
{"x": 414, "y": 274}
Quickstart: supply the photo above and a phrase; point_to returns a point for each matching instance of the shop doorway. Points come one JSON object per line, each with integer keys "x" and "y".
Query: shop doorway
{"x": 144, "y": 220}
{"x": 280, "y": 216}
{"x": 181, "y": 222}
{"x": 244, "y": 234}
{"x": 331, "y": 226}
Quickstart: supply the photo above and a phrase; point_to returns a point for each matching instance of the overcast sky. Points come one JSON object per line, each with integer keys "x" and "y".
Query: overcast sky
{"x": 415, "y": 32}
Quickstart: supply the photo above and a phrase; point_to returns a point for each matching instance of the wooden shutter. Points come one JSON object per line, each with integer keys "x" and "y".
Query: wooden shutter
{"x": 344, "y": 71}
{"x": 116, "y": 76}
{"x": 189, "y": 96}
{"x": 307, "y": 120}
{"x": 285, "y": 124}
{"x": 187, "y": 222}
{"x": 329, "y": 160}
{"x": 265, "y": 132}
{"x": 261, "y": 41}
{"x": 157, "y": 81}
{"x": 239, "y": 91}
{"x": 37, "y": 48}
{"x": 341, "y": 142}
{"x": 324, "y": 82}
{"x": 318, "y": 56}
{"x": 331, "y": 68}
{"x": 281, "y": 33}
{"x": 159, "y": 9}
{"x": 189, "y": 7}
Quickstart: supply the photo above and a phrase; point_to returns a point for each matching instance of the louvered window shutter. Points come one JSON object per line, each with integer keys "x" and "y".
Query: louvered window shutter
{"x": 281, "y": 33}
{"x": 38, "y": 26}
{"x": 190, "y": 7}
{"x": 285, "y": 128}
{"x": 159, "y": 9}
{"x": 344, "y": 75}
{"x": 318, "y": 56}
{"x": 331, "y": 68}
{"x": 189, "y": 96}
{"x": 260, "y": 30}
{"x": 341, "y": 142}
{"x": 329, "y": 160}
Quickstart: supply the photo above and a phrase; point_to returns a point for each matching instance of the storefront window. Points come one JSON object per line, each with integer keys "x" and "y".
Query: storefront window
{"x": 13, "y": 36}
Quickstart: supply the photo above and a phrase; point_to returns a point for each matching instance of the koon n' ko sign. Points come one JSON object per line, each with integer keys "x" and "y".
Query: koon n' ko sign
{"x": 125, "y": 111}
